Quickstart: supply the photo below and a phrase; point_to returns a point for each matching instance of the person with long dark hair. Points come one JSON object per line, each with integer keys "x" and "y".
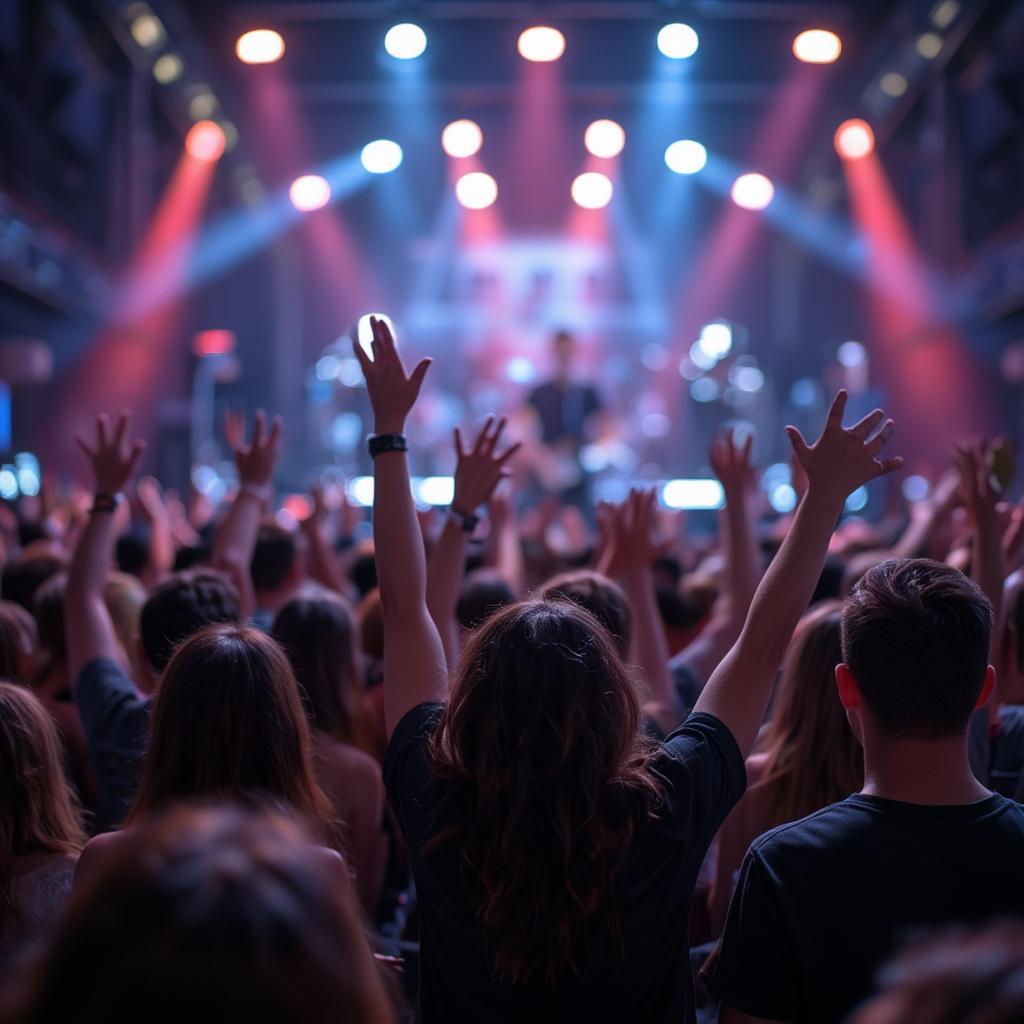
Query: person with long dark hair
{"x": 555, "y": 849}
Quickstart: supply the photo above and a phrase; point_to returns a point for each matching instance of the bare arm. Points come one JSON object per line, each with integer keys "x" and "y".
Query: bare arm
{"x": 236, "y": 538}
{"x": 161, "y": 536}
{"x": 323, "y": 566}
{"x": 477, "y": 472}
{"x": 742, "y": 561}
{"x": 414, "y": 662}
{"x": 839, "y": 462}
{"x": 89, "y": 631}
{"x": 505, "y": 550}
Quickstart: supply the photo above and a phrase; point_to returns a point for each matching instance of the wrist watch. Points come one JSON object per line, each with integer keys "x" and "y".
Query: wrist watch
{"x": 468, "y": 523}
{"x": 380, "y": 443}
{"x": 105, "y": 502}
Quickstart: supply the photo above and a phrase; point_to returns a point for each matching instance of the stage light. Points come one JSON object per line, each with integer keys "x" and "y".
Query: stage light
{"x": 168, "y": 68}
{"x": 854, "y": 139}
{"x": 782, "y": 498}
{"x": 381, "y": 156}
{"x": 230, "y": 134}
{"x": 260, "y": 46}
{"x": 893, "y": 84}
{"x": 752, "y": 191}
{"x": 310, "y": 192}
{"x": 202, "y": 105}
{"x": 360, "y": 491}
{"x": 462, "y": 138}
{"x": 436, "y": 490}
{"x": 944, "y": 13}
{"x": 851, "y": 354}
{"x": 747, "y": 378}
{"x": 217, "y": 342}
{"x": 541, "y": 44}
{"x": 364, "y": 330}
{"x": 686, "y": 156}
{"x": 147, "y": 29}
{"x": 592, "y": 190}
{"x": 476, "y": 190}
{"x": 678, "y": 41}
{"x": 929, "y": 45}
{"x": 704, "y": 389}
{"x": 604, "y": 139}
{"x": 716, "y": 339}
{"x": 520, "y": 370}
{"x": 817, "y": 46}
{"x": 857, "y": 500}
{"x": 693, "y": 494}
{"x": 915, "y": 488}
{"x": 405, "y": 41}
{"x": 205, "y": 141}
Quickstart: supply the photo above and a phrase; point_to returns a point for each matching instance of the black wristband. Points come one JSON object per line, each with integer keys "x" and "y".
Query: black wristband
{"x": 380, "y": 443}
{"x": 468, "y": 523}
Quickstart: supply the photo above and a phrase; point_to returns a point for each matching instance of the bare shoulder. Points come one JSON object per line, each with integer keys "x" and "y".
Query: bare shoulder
{"x": 341, "y": 763}
{"x": 94, "y": 854}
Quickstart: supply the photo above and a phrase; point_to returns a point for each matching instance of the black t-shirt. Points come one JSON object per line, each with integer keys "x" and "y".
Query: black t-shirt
{"x": 1006, "y": 767}
{"x": 704, "y": 777}
{"x": 563, "y": 411}
{"x": 822, "y": 902}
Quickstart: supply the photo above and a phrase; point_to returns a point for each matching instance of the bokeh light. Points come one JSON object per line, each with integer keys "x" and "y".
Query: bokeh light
{"x": 260, "y": 46}
{"x": 205, "y": 141}
{"x": 592, "y": 190}
{"x": 678, "y": 41}
{"x": 686, "y": 156}
{"x": 817, "y": 46}
{"x": 168, "y": 68}
{"x": 310, "y": 192}
{"x": 381, "y": 156}
{"x": 476, "y": 190}
{"x": 541, "y": 44}
{"x": 462, "y": 138}
{"x": 406, "y": 41}
{"x": 604, "y": 138}
{"x": 752, "y": 191}
{"x": 854, "y": 139}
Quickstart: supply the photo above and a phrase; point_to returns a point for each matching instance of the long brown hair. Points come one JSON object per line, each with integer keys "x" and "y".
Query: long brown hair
{"x": 549, "y": 777}
{"x": 38, "y": 811}
{"x": 211, "y": 913}
{"x": 227, "y": 723}
{"x": 318, "y": 635}
{"x": 813, "y": 758}
{"x": 19, "y": 638}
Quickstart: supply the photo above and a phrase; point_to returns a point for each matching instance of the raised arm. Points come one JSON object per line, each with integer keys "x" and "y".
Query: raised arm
{"x": 236, "y": 538}
{"x": 731, "y": 464}
{"x": 89, "y": 631}
{"x": 505, "y": 544}
{"x": 160, "y": 556}
{"x": 323, "y": 566}
{"x": 836, "y": 464}
{"x": 414, "y": 662}
{"x": 478, "y": 471}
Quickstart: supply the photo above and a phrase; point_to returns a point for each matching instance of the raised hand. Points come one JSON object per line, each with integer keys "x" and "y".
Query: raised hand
{"x": 842, "y": 459}
{"x": 393, "y": 392}
{"x": 113, "y": 457}
{"x": 150, "y": 499}
{"x": 731, "y": 462}
{"x": 255, "y": 462}
{"x": 481, "y": 468}
{"x": 634, "y": 545}
{"x": 977, "y": 488}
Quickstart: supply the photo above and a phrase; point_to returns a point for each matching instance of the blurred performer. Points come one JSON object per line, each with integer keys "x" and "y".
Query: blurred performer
{"x": 566, "y": 415}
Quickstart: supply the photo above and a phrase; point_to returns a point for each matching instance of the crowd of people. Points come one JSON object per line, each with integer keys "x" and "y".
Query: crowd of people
{"x": 253, "y": 769}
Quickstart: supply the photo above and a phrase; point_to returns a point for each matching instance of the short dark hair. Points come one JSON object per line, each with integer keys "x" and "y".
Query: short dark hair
{"x": 182, "y": 604}
{"x": 48, "y": 608}
{"x": 600, "y": 596}
{"x": 26, "y": 574}
{"x": 916, "y": 636}
{"x": 273, "y": 557}
{"x": 483, "y": 592}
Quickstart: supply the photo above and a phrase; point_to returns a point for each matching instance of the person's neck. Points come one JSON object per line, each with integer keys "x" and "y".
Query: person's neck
{"x": 918, "y": 771}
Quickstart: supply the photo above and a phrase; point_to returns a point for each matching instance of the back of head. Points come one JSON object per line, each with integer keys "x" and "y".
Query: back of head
{"x": 182, "y": 604}
{"x": 23, "y": 577}
{"x": 37, "y": 811}
{"x": 600, "y": 596}
{"x": 273, "y": 559}
{"x": 548, "y": 779}
{"x": 18, "y": 641}
{"x": 483, "y": 592}
{"x": 916, "y": 636}
{"x": 318, "y": 635}
{"x": 215, "y": 914}
{"x": 227, "y": 722}
{"x": 124, "y": 596}
{"x": 370, "y": 615}
{"x": 813, "y": 758}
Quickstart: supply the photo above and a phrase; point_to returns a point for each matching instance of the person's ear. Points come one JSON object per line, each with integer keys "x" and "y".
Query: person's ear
{"x": 849, "y": 693}
{"x": 986, "y": 688}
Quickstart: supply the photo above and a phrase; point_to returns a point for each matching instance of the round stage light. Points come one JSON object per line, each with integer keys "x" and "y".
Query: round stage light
{"x": 260, "y": 46}
{"x": 381, "y": 156}
{"x": 686, "y": 156}
{"x": 929, "y": 45}
{"x": 310, "y": 192}
{"x": 462, "y": 138}
{"x": 405, "y": 41}
{"x": 893, "y": 84}
{"x": 205, "y": 141}
{"x": 817, "y": 46}
{"x": 147, "y": 30}
{"x": 541, "y": 44}
{"x": 678, "y": 41}
{"x": 168, "y": 68}
{"x": 476, "y": 190}
{"x": 203, "y": 105}
{"x": 592, "y": 190}
{"x": 604, "y": 139}
{"x": 752, "y": 191}
{"x": 854, "y": 139}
